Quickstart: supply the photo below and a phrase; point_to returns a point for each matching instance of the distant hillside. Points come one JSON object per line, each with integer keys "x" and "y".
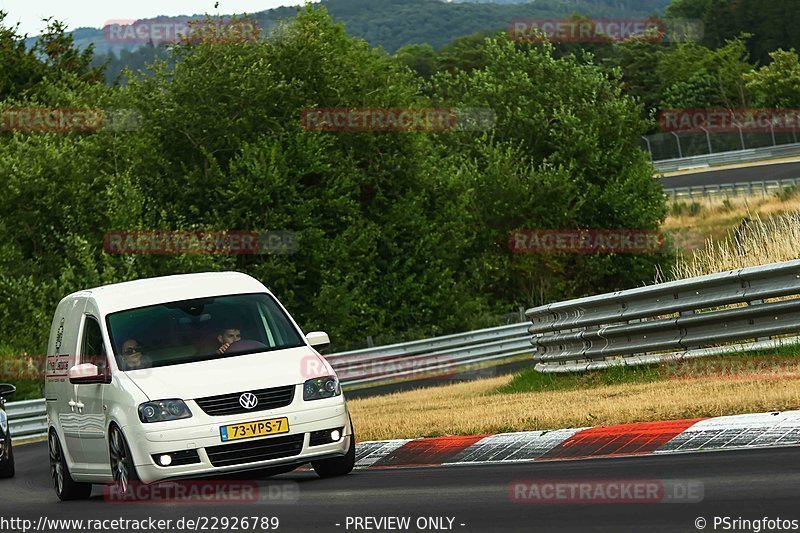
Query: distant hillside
{"x": 395, "y": 23}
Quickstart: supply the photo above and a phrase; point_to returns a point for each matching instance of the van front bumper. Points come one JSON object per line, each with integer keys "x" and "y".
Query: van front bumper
{"x": 204, "y": 438}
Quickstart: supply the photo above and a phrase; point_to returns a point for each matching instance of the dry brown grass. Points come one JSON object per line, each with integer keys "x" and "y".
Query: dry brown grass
{"x": 473, "y": 408}
{"x": 714, "y": 218}
{"x": 765, "y": 241}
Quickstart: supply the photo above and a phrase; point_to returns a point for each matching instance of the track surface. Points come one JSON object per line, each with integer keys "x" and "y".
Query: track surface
{"x": 747, "y": 483}
{"x": 734, "y": 175}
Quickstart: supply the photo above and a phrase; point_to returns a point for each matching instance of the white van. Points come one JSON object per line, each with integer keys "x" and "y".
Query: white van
{"x": 185, "y": 376}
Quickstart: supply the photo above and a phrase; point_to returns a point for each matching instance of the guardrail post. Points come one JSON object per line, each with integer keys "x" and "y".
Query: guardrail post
{"x": 689, "y": 312}
{"x": 649, "y": 147}
{"x": 756, "y": 302}
{"x": 678, "y": 139}
{"x": 708, "y": 140}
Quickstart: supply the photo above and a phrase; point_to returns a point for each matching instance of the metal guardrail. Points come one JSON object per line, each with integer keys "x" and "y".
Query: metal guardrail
{"x": 730, "y": 189}
{"x": 438, "y": 356}
{"x": 691, "y": 317}
{"x": 27, "y": 419}
{"x": 727, "y": 158}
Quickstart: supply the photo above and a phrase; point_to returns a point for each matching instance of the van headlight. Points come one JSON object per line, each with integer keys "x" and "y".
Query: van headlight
{"x": 318, "y": 388}
{"x": 163, "y": 410}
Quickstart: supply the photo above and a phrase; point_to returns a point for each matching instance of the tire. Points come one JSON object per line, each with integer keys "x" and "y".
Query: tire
{"x": 338, "y": 466}
{"x": 7, "y": 467}
{"x": 122, "y": 467}
{"x": 66, "y": 488}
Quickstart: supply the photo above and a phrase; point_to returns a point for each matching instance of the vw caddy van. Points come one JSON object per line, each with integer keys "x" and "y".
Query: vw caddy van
{"x": 187, "y": 376}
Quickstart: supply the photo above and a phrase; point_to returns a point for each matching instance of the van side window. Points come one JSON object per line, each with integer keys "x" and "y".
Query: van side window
{"x": 92, "y": 349}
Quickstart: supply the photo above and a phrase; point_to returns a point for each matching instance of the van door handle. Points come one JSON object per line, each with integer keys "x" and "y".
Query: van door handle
{"x": 73, "y": 404}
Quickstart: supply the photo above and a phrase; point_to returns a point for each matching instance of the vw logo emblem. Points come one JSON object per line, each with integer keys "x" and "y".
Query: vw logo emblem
{"x": 248, "y": 400}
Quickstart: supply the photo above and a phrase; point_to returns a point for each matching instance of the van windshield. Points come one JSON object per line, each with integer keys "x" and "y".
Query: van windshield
{"x": 198, "y": 330}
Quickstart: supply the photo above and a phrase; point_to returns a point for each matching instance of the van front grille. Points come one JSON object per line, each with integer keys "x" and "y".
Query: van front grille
{"x": 228, "y": 404}
{"x": 253, "y": 451}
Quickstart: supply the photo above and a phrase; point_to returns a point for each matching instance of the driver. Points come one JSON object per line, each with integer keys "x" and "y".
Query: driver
{"x": 228, "y": 336}
{"x": 132, "y": 356}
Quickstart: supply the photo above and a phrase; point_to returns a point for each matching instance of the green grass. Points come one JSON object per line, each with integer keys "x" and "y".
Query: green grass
{"x": 529, "y": 380}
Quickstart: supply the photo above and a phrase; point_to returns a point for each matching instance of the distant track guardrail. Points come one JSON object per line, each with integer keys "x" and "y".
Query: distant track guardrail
{"x": 727, "y": 158}
{"x": 714, "y": 314}
{"x": 748, "y": 188}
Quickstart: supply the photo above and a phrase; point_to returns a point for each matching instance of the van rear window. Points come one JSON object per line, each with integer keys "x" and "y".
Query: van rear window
{"x": 201, "y": 329}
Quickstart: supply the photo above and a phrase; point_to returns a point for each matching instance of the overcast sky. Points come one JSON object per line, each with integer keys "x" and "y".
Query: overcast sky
{"x": 94, "y": 13}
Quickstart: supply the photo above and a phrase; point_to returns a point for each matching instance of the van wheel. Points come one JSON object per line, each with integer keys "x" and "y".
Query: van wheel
{"x": 338, "y": 466}
{"x": 7, "y": 468}
{"x": 121, "y": 462}
{"x": 66, "y": 488}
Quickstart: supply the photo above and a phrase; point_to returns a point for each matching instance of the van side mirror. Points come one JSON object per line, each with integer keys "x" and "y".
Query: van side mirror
{"x": 318, "y": 339}
{"x": 87, "y": 373}
{"x": 6, "y": 389}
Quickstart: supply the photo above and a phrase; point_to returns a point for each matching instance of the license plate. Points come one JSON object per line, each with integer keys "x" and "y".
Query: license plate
{"x": 258, "y": 428}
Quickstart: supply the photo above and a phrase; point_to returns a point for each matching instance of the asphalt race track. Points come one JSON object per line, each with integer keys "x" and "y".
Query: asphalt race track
{"x": 734, "y": 175}
{"x": 748, "y": 484}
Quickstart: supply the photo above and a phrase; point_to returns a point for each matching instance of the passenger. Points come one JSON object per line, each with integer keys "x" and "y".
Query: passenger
{"x": 228, "y": 336}
{"x": 132, "y": 356}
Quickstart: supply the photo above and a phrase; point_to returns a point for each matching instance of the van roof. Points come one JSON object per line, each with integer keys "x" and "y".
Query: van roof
{"x": 152, "y": 291}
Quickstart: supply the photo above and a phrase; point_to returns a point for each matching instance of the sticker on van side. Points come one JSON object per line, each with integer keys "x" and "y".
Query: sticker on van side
{"x": 57, "y": 366}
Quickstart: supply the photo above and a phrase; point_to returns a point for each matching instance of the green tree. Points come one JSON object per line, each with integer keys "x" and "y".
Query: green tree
{"x": 421, "y": 58}
{"x": 464, "y": 53}
{"x": 773, "y": 24}
{"x": 778, "y": 83}
{"x": 563, "y": 154}
{"x": 688, "y": 9}
{"x": 20, "y": 69}
{"x": 693, "y": 75}
{"x": 637, "y": 61}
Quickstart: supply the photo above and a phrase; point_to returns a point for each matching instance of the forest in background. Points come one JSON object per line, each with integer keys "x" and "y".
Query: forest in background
{"x": 401, "y": 235}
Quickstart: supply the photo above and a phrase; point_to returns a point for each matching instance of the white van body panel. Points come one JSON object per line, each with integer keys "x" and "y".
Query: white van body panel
{"x": 220, "y": 376}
